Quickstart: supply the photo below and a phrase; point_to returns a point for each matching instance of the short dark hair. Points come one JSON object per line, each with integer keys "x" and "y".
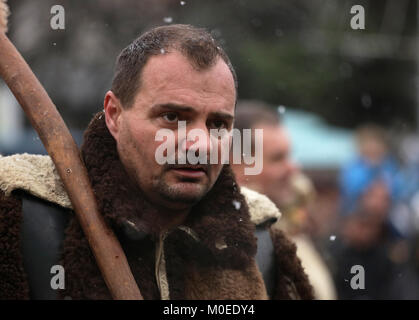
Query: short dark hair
{"x": 250, "y": 113}
{"x": 196, "y": 44}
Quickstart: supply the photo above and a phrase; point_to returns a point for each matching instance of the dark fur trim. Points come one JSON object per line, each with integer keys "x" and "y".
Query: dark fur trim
{"x": 83, "y": 278}
{"x": 291, "y": 280}
{"x": 215, "y": 220}
{"x": 223, "y": 244}
{"x": 13, "y": 282}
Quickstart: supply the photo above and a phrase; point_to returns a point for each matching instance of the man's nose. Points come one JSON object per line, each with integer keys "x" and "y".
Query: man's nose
{"x": 290, "y": 167}
{"x": 197, "y": 140}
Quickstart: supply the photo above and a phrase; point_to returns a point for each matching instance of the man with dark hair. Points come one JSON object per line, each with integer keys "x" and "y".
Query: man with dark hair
{"x": 274, "y": 179}
{"x": 288, "y": 188}
{"x": 197, "y": 45}
{"x": 185, "y": 227}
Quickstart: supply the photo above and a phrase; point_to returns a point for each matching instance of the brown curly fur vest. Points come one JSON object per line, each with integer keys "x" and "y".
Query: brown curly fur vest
{"x": 210, "y": 257}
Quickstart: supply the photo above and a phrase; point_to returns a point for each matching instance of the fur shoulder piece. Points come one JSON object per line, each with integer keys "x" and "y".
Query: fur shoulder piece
{"x": 35, "y": 174}
{"x": 262, "y": 210}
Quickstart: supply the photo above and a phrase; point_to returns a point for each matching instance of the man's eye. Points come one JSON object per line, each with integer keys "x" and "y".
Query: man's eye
{"x": 170, "y": 117}
{"x": 219, "y": 124}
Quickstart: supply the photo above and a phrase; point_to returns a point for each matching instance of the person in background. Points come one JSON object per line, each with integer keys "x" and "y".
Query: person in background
{"x": 370, "y": 185}
{"x": 282, "y": 182}
{"x": 373, "y": 162}
{"x": 366, "y": 240}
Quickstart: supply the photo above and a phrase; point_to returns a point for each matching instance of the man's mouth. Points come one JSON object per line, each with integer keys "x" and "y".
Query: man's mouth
{"x": 190, "y": 171}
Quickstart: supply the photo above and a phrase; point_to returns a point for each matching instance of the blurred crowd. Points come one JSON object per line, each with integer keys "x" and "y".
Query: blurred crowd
{"x": 371, "y": 218}
{"x": 377, "y": 223}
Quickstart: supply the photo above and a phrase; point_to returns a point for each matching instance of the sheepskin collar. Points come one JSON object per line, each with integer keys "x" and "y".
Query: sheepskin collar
{"x": 34, "y": 174}
{"x": 220, "y": 219}
{"x": 215, "y": 248}
{"x": 263, "y": 212}
{"x": 218, "y": 232}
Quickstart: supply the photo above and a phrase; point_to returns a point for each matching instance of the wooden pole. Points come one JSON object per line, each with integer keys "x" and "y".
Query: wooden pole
{"x": 60, "y": 145}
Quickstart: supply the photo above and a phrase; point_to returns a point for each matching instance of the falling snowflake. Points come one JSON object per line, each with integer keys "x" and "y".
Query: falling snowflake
{"x": 237, "y": 204}
{"x": 220, "y": 244}
{"x": 182, "y": 3}
{"x": 162, "y": 51}
{"x": 332, "y": 237}
{"x": 279, "y": 32}
{"x": 168, "y": 19}
{"x": 281, "y": 109}
{"x": 366, "y": 100}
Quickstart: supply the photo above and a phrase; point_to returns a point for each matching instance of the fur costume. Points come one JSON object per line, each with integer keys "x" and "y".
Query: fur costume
{"x": 211, "y": 256}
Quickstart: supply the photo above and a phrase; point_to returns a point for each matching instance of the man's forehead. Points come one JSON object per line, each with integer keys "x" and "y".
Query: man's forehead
{"x": 169, "y": 62}
{"x": 171, "y": 78}
{"x": 175, "y": 68}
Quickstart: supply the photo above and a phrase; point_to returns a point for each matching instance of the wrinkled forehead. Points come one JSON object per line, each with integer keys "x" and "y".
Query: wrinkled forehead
{"x": 172, "y": 73}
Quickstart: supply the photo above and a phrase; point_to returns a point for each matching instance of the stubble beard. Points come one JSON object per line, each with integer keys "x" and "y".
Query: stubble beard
{"x": 160, "y": 192}
{"x": 178, "y": 192}
{"x": 176, "y": 195}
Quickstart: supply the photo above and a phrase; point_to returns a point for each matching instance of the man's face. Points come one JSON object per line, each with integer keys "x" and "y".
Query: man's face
{"x": 372, "y": 150}
{"x": 171, "y": 91}
{"x": 274, "y": 180}
{"x": 377, "y": 201}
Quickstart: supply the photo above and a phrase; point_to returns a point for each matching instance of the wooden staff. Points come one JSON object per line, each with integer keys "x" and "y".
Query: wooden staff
{"x": 60, "y": 145}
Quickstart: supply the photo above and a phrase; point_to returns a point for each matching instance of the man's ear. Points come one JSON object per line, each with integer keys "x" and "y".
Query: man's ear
{"x": 113, "y": 113}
